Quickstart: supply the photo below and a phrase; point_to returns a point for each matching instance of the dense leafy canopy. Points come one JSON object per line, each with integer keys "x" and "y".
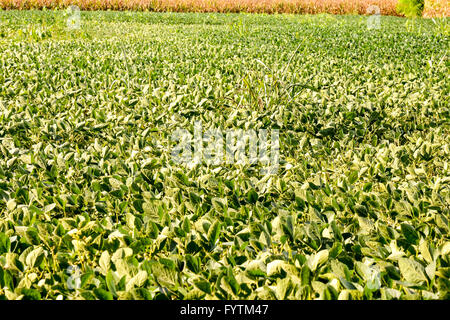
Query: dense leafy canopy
{"x": 93, "y": 207}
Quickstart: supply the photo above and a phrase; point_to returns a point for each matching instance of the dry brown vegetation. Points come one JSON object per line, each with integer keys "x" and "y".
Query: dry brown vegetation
{"x": 437, "y": 8}
{"x": 433, "y": 8}
{"x": 387, "y": 7}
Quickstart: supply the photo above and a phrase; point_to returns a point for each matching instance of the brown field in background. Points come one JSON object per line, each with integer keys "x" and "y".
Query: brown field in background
{"x": 437, "y": 8}
{"x": 387, "y": 7}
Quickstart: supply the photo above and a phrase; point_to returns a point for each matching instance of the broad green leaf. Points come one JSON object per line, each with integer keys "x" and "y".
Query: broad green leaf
{"x": 102, "y": 294}
{"x": 317, "y": 259}
{"x": 5, "y": 243}
{"x": 412, "y": 271}
{"x": 203, "y": 285}
{"x": 35, "y": 257}
{"x": 410, "y": 233}
{"x": 111, "y": 284}
{"x": 214, "y": 233}
{"x": 104, "y": 262}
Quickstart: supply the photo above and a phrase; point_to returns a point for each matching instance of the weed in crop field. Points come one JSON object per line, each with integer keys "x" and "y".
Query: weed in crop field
{"x": 93, "y": 206}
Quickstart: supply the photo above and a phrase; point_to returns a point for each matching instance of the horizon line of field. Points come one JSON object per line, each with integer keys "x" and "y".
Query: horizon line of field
{"x": 433, "y": 8}
{"x": 383, "y": 7}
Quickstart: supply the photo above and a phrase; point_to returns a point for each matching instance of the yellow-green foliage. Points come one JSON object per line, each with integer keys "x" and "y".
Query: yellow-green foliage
{"x": 410, "y": 8}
